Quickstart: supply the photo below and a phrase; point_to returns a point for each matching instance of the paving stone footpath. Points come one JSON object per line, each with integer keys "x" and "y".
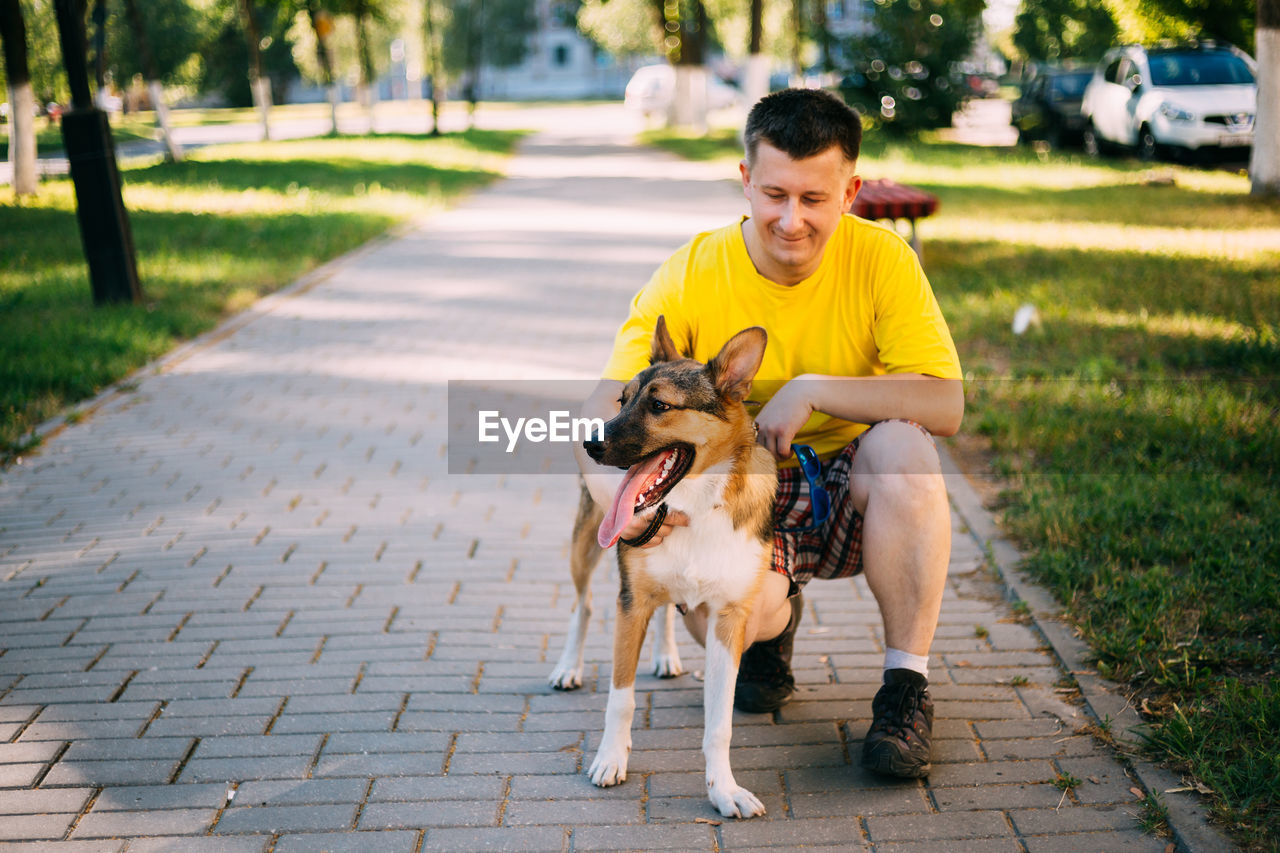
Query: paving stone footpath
{"x": 244, "y": 606}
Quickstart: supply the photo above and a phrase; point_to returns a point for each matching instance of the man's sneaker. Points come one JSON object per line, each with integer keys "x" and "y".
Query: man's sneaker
{"x": 765, "y": 682}
{"x": 900, "y": 740}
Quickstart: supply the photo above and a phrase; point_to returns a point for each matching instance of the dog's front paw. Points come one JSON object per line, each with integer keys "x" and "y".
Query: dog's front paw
{"x": 610, "y": 767}
{"x": 667, "y": 664}
{"x": 566, "y": 677}
{"x": 734, "y": 801}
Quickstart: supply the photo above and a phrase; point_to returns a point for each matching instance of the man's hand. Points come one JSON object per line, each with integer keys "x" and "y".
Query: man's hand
{"x": 782, "y": 417}
{"x": 675, "y": 518}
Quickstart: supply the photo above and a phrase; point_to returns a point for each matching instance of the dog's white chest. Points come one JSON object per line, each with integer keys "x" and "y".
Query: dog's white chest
{"x": 709, "y": 561}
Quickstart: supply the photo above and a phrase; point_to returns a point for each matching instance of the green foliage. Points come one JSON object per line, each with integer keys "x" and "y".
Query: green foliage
{"x": 1231, "y": 751}
{"x": 175, "y": 30}
{"x": 488, "y": 32}
{"x": 905, "y": 74}
{"x": 1227, "y": 20}
{"x": 733, "y": 23}
{"x": 226, "y": 54}
{"x": 1057, "y": 30}
{"x": 44, "y": 53}
{"x": 1066, "y": 782}
{"x": 621, "y": 27}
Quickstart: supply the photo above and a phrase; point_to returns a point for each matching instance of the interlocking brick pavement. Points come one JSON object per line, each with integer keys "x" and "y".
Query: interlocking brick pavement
{"x": 245, "y": 607}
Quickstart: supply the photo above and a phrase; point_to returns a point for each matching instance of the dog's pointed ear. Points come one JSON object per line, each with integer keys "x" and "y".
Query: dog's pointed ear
{"x": 736, "y": 364}
{"x": 664, "y": 349}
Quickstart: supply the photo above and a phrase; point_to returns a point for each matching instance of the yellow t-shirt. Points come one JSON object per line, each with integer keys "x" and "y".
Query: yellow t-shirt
{"x": 868, "y": 310}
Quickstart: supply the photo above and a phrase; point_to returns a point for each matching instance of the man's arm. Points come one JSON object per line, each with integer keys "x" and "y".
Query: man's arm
{"x": 936, "y": 404}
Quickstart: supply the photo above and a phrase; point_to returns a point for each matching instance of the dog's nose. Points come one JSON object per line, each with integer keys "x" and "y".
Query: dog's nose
{"x": 594, "y": 449}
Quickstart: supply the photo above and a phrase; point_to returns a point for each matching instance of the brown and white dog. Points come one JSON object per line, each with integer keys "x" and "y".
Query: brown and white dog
{"x": 686, "y": 440}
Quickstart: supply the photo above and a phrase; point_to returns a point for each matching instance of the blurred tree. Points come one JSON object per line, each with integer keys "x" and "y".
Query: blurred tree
{"x": 435, "y": 19}
{"x": 687, "y": 27}
{"x": 44, "y": 58}
{"x": 258, "y": 83}
{"x": 150, "y": 66}
{"x": 906, "y": 76}
{"x": 21, "y": 100}
{"x": 368, "y": 16}
{"x": 1152, "y": 20}
{"x": 486, "y": 32}
{"x": 226, "y": 51}
{"x": 321, "y": 20}
{"x": 1057, "y": 30}
{"x": 622, "y": 27}
{"x": 174, "y": 30}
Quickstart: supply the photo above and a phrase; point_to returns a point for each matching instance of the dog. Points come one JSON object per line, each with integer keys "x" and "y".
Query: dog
{"x": 684, "y": 436}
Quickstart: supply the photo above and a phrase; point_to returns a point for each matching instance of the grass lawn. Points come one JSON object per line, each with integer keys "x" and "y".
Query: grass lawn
{"x": 213, "y": 234}
{"x": 1135, "y": 430}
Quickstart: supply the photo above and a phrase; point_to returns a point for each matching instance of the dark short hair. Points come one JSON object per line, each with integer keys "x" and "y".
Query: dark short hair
{"x": 802, "y": 123}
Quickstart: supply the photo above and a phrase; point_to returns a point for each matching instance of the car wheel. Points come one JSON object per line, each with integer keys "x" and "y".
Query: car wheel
{"x": 1092, "y": 144}
{"x": 1148, "y": 148}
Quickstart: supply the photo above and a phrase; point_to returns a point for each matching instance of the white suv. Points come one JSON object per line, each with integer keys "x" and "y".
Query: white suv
{"x": 1188, "y": 98}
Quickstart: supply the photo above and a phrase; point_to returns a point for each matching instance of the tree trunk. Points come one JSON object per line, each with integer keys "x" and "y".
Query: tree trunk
{"x": 105, "y": 232}
{"x": 475, "y": 58}
{"x": 99, "y": 17}
{"x": 689, "y": 104}
{"x": 322, "y": 26}
{"x": 258, "y": 84}
{"x": 1264, "y": 162}
{"x": 22, "y": 102}
{"x": 366, "y": 95}
{"x": 173, "y": 151}
{"x": 756, "y": 84}
{"x": 432, "y": 50}
{"x": 797, "y": 62}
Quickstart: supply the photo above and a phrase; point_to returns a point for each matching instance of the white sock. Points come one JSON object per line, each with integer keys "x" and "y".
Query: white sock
{"x": 898, "y": 659}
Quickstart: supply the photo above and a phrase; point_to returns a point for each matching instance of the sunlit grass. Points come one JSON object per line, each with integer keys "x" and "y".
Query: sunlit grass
{"x": 213, "y": 234}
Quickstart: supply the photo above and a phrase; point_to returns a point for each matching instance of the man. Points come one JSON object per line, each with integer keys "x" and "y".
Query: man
{"x": 855, "y": 339}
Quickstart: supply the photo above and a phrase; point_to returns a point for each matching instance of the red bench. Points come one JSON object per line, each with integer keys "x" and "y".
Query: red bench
{"x": 886, "y": 199}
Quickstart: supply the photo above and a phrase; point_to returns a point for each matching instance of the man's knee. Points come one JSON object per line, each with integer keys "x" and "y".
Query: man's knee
{"x": 899, "y": 461}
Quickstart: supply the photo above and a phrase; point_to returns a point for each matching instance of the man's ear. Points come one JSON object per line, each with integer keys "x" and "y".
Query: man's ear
{"x": 663, "y": 349}
{"x": 744, "y": 168}
{"x": 851, "y": 192}
{"x": 736, "y": 364}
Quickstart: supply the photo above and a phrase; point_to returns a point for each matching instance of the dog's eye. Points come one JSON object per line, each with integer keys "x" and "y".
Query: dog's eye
{"x": 659, "y": 406}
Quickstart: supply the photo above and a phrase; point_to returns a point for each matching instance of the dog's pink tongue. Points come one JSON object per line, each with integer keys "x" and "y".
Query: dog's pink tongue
{"x": 624, "y": 501}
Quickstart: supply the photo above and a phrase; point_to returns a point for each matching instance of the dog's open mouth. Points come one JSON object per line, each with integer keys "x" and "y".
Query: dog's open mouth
{"x": 646, "y": 484}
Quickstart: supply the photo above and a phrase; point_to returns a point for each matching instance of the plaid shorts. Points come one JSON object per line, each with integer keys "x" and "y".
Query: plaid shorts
{"x": 834, "y": 550}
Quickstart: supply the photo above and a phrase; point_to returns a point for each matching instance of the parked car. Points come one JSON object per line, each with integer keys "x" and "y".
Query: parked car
{"x": 1186, "y": 99}
{"x": 652, "y": 88}
{"x": 1049, "y": 106}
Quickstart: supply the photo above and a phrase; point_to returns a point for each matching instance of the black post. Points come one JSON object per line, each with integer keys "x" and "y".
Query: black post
{"x": 86, "y": 135}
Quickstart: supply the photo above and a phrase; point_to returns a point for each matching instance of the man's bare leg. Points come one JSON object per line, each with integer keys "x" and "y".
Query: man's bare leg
{"x": 906, "y": 545}
{"x": 906, "y": 531}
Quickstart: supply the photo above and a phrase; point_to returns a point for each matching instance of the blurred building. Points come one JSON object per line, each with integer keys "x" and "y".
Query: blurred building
{"x": 561, "y": 63}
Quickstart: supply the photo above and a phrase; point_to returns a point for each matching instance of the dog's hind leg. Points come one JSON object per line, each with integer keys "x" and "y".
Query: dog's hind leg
{"x": 666, "y": 654}
{"x": 584, "y": 553}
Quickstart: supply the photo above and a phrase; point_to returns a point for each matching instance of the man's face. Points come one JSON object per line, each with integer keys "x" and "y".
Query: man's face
{"x": 796, "y": 206}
